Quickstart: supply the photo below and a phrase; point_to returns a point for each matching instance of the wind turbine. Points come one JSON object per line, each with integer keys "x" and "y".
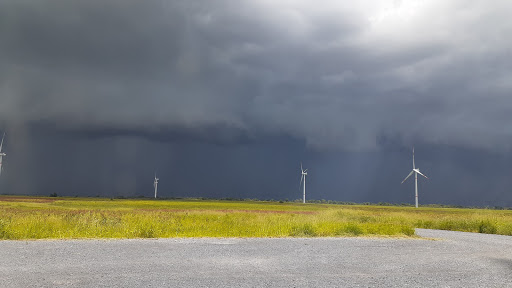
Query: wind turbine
{"x": 303, "y": 176}
{"x": 155, "y": 184}
{"x": 416, "y": 172}
{"x": 1, "y": 153}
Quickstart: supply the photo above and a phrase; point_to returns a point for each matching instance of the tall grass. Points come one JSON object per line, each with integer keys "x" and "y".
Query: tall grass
{"x": 64, "y": 218}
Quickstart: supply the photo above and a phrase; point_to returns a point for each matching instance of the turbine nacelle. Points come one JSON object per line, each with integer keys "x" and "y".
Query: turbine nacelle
{"x": 304, "y": 172}
{"x": 418, "y": 171}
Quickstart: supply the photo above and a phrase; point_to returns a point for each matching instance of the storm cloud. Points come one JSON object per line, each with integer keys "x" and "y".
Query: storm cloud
{"x": 354, "y": 81}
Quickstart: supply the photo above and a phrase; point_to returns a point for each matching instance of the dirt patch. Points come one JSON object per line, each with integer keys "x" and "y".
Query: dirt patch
{"x": 228, "y": 211}
{"x": 269, "y": 211}
{"x": 26, "y": 199}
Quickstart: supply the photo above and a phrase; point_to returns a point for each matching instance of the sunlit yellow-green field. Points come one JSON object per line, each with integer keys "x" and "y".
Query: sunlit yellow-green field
{"x": 64, "y": 218}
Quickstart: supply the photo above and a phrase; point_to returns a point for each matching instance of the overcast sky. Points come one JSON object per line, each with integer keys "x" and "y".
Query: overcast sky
{"x": 116, "y": 89}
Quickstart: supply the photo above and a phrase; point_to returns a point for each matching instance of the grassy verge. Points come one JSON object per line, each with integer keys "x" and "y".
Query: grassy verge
{"x": 62, "y": 218}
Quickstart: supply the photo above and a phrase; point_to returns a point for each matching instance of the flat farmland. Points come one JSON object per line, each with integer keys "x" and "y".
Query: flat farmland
{"x": 23, "y": 217}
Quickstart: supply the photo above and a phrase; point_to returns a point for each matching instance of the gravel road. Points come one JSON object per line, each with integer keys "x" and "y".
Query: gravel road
{"x": 455, "y": 259}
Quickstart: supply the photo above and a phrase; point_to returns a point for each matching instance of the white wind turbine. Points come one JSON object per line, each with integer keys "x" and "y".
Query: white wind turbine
{"x": 303, "y": 177}
{"x": 1, "y": 153}
{"x": 416, "y": 172}
{"x": 155, "y": 184}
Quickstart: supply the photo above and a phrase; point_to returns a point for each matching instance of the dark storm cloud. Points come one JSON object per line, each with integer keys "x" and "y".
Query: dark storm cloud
{"x": 336, "y": 75}
{"x": 224, "y": 98}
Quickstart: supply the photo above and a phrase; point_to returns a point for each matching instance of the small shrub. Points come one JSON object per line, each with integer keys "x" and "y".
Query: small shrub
{"x": 506, "y": 229}
{"x": 408, "y": 230}
{"x": 487, "y": 227}
{"x": 305, "y": 230}
{"x": 366, "y": 219}
{"x": 353, "y": 229}
{"x": 3, "y": 231}
{"x": 146, "y": 233}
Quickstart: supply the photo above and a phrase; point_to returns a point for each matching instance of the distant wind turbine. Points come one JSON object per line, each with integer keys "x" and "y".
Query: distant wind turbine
{"x": 416, "y": 172}
{"x": 155, "y": 184}
{"x": 1, "y": 153}
{"x": 303, "y": 177}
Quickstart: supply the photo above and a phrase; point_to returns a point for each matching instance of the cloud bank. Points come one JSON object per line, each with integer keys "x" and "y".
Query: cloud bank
{"x": 334, "y": 74}
{"x": 225, "y": 98}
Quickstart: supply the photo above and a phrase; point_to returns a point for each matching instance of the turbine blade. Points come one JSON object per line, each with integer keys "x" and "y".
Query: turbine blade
{"x": 413, "y": 166}
{"x": 301, "y": 167}
{"x": 301, "y": 177}
{"x": 2, "y": 143}
{"x": 407, "y": 176}
{"x": 417, "y": 171}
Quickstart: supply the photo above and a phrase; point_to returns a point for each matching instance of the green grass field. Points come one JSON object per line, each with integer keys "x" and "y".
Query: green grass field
{"x": 64, "y": 218}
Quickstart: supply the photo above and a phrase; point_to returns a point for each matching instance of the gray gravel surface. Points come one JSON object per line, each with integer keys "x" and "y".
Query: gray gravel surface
{"x": 455, "y": 259}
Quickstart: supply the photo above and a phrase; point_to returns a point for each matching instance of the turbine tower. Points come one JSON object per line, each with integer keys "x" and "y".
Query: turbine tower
{"x": 155, "y": 184}
{"x": 303, "y": 177}
{"x": 1, "y": 153}
{"x": 416, "y": 172}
